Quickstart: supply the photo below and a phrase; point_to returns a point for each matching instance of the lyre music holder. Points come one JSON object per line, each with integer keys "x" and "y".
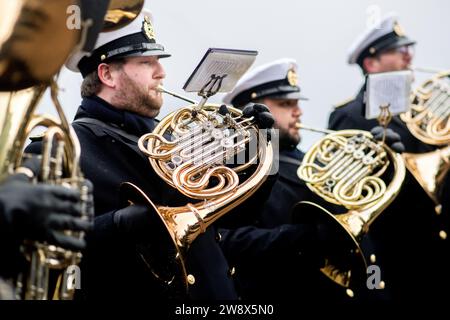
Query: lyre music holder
{"x": 218, "y": 71}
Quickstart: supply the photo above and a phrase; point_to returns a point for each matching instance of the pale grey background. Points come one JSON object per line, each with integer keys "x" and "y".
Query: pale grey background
{"x": 316, "y": 33}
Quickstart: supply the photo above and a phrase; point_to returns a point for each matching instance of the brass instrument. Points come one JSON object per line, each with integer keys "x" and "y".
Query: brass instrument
{"x": 204, "y": 159}
{"x": 429, "y": 116}
{"x": 345, "y": 168}
{"x": 120, "y": 13}
{"x": 27, "y": 53}
{"x": 430, "y": 170}
{"x": 429, "y": 121}
{"x": 28, "y": 63}
{"x": 425, "y": 70}
{"x": 60, "y": 166}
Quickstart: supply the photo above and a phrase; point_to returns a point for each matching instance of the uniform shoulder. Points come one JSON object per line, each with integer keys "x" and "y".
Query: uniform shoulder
{"x": 344, "y": 103}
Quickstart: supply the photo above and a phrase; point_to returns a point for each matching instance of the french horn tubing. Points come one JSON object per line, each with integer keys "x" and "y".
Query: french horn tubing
{"x": 428, "y": 120}
{"x": 348, "y": 168}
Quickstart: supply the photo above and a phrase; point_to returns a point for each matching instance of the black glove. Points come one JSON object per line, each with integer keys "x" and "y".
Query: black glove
{"x": 41, "y": 212}
{"x": 393, "y": 139}
{"x": 133, "y": 221}
{"x": 33, "y": 163}
{"x": 261, "y": 113}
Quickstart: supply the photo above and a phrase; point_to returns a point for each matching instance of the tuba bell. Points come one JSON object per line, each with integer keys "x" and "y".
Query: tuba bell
{"x": 347, "y": 168}
{"x": 27, "y": 70}
{"x": 429, "y": 121}
{"x": 217, "y": 159}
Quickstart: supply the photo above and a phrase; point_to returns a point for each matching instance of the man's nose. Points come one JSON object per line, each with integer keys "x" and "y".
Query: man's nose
{"x": 160, "y": 73}
{"x": 298, "y": 111}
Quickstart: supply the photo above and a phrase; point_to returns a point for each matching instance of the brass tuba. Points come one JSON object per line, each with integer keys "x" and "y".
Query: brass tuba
{"x": 201, "y": 153}
{"x": 59, "y": 165}
{"x": 29, "y": 34}
{"x": 347, "y": 168}
{"x": 429, "y": 121}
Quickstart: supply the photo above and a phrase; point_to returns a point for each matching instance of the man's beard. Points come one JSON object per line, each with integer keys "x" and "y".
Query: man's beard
{"x": 132, "y": 97}
{"x": 287, "y": 141}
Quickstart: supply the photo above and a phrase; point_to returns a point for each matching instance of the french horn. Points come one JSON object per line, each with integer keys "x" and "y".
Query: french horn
{"x": 348, "y": 168}
{"x": 217, "y": 159}
{"x": 429, "y": 121}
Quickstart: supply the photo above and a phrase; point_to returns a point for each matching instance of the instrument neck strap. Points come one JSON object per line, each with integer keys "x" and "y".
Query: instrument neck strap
{"x": 108, "y": 126}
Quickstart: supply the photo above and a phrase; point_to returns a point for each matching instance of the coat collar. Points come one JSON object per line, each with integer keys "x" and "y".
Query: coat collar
{"x": 130, "y": 122}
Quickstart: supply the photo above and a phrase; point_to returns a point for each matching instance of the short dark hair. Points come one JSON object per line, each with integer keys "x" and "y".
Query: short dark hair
{"x": 91, "y": 83}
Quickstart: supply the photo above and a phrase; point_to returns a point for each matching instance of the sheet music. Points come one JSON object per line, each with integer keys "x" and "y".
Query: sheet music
{"x": 392, "y": 88}
{"x": 227, "y": 64}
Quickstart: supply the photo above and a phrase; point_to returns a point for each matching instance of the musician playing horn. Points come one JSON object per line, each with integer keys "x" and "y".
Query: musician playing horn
{"x": 273, "y": 253}
{"x": 385, "y": 47}
{"x": 121, "y": 99}
{"x": 39, "y": 211}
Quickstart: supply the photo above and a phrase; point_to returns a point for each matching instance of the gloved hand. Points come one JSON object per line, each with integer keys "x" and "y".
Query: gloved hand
{"x": 33, "y": 163}
{"x": 393, "y": 139}
{"x": 134, "y": 221}
{"x": 41, "y": 212}
{"x": 261, "y": 113}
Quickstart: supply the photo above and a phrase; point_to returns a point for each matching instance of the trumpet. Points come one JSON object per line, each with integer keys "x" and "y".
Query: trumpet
{"x": 345, "y": 168}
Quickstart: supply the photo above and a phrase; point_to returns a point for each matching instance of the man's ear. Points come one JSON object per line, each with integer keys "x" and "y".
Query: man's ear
{"x": 106, "y": 75}
{"x": 370, "y": 64}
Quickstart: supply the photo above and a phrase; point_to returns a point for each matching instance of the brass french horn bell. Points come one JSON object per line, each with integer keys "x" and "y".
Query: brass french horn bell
{"x": 430, "y": 170}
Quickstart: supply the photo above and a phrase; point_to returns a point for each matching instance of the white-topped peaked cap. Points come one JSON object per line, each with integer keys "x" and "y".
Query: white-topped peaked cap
{"x": 388, "y": 34}
{"x": 135, "y": 39}
{"x": 277, "y": 80}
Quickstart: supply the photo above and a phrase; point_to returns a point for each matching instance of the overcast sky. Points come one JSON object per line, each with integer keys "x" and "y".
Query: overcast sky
{"x": 315, "y": 33}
